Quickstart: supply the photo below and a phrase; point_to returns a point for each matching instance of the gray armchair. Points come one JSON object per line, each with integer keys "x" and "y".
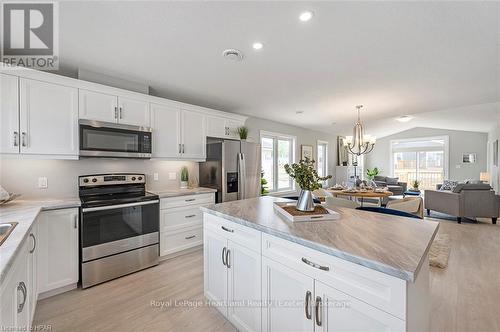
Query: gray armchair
{"x": 465, "y": 200}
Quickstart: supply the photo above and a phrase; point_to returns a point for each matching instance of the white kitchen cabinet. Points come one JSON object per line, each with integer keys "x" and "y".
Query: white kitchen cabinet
{"x": 166, "y": 125}
{"x": 222, "y": 127}
{"x": 193, "y": 135}
{"x": 58, "y": 249}
{"x": 287, "y": 296}
{"x": 9, "y": 115}
{"x": 133, "y": 112}
{"x": 339, "y": 312}
{"x": 48, "y": 118}
{"x": 215, "y": 276}
{"x": 33, "y": 270}
{"x": 97, "y": 106}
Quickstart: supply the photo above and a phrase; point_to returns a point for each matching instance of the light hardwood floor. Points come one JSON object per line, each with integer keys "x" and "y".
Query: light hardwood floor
{"x": 465, "y": 296}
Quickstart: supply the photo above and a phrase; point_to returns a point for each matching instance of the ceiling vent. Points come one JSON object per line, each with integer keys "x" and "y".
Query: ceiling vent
{"x": 233, "y": 54}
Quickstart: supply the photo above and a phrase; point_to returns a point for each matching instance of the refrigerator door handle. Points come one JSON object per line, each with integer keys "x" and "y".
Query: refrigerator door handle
{"x": 241, "y": 176}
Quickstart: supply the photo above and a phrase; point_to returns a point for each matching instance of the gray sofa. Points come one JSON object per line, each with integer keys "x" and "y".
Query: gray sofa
{"x": 475, "y": 200}
{"x": 396, "y": 187}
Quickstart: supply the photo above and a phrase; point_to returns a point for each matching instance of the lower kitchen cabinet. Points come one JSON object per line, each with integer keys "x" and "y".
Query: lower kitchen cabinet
{"x": 58, "y": 249}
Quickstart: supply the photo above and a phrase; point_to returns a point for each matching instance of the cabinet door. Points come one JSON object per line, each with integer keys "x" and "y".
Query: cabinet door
{"x": 58, "y": 249}
{"x": 33, "y": 269}
{"x": 232, "y": 129}
{"x": 9, "y": 115}
{"x": 244, "y": 288}
{"x": 97, "y": 106}
{"x": 286, "y": 295}
{"x": 133, "y": 112}
{"x": 216, "y": 127}
{"x": 215, "y": 272}
{"x": 339, "y": 312}
{"x": 166, "y": 124}
{"x": 21, "y": 277}
{"x": 193, "y": 135}
{"x": 48, "y": 118}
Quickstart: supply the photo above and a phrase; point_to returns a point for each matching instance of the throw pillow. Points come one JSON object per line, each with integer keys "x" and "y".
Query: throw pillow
{"x": 448, "y": 185}
{"x": 392, "y": 181}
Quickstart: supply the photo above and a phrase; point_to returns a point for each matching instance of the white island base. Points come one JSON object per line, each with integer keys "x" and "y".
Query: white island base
{"x": 261, "y": 282}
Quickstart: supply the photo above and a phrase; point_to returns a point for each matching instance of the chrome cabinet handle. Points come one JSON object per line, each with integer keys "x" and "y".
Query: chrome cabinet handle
{"x": 190, "y": 216}
{"x": 227, "y": 229}
{"x": 23, "y": 135}
{"x": 121, "y": 113}
{"x": 321, "y": 267}
{"x": 75, "y": 222}
{"x": 190, "y": 237}
{"x": 190, "y": 200}
{"x": 116, "y": 112}
{"x": 183, "y": 151}
{"x": 16, "y": 138}
{"x": 34, "y": 243}
{"x": 224, "y": 256}
{"x": 180, "y": 149}
{"x": 307, "y": 305}
{"x": 228, "y": 257}
{"x": 22, "y": 288}
{"x": 319, "y": 305}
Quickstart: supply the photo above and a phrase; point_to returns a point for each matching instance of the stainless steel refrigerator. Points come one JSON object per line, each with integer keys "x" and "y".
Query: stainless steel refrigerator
{"x": 233, "y": 168}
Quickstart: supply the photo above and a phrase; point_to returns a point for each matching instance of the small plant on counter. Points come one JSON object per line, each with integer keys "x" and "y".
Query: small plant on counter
{"x": 372, "y": 173}
{"x": 263, "y": 185}
{"x": 306, "y": 175}
{"x": 243, "y": 132}
{"x": 184, "y": 177}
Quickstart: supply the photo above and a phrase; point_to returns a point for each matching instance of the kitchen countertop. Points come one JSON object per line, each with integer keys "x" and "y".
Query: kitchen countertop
{"x": 182, "y": 192}
{"x": 24, "y": 212}
{"x": 393, "y": 245}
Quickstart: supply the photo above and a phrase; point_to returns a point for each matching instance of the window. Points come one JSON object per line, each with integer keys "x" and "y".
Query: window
{"x": 322, "y": 162}
{"x": 422, "y": 159}
{"x": 277, "y": 151}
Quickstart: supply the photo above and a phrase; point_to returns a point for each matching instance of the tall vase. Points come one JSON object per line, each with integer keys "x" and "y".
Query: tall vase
{"x": 305, "y": 202}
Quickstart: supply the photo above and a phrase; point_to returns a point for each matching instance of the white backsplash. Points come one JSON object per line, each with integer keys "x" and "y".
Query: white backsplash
{"x": 20, "y": 175}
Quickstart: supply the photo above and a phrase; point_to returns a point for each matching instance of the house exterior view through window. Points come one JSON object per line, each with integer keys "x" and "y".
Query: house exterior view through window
{"x": 422, "y": 159}
{"x": 322, "y": 159}
{"x": 277, "y": 151}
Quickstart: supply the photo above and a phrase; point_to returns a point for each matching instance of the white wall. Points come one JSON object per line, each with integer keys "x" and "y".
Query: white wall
{"x": 459, "y": 142}
{"x": 304, "y": 137}
{"x": 21, "y": 175}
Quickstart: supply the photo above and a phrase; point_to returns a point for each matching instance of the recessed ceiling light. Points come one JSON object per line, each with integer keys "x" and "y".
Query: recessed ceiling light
{"x": 257, "y": 46}
{"x": 306, "y": 16}
{"x": 299, "y": 112}
{"x": 404, "y": 118}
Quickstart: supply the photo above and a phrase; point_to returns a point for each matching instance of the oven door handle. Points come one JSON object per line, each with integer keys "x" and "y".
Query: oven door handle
{"x": 118, "y": 206}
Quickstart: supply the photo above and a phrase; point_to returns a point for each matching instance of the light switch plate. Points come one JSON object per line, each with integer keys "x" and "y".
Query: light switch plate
{"x": 155, "y": 176}
{"x": 172, "y": 175}
{"x": 42, "y": 183}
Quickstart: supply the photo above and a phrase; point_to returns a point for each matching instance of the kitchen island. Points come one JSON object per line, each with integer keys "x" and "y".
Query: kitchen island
{"x": 363, "y": 272}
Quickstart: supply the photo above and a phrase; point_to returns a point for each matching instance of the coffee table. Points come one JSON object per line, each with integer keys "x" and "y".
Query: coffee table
{"x": 361, "y": 195}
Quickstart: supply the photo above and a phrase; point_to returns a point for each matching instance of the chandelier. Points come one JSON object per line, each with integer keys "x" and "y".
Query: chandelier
{"x": 359, "y": 143}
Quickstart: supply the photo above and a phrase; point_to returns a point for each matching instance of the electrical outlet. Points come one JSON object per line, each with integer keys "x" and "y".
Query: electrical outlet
{"x": 172, "y": 175}
{"x": 155, "y": 176}
{"x": 458, "y": 166}
{"x": 42, "y": 183}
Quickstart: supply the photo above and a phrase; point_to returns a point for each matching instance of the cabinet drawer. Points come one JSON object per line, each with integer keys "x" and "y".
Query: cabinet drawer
{"x": 180, "y": 201}
{"x": 380, "y": 290}
{"x": 176, "y": 218}
{"x": 173, "y": 242}
{"x": 242, "y": 235}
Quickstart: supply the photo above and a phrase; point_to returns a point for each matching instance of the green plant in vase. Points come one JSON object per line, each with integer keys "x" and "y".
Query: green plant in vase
{"x": 307, "y": 178}
{"x": 415, "y": 184}
{"x": 372, "y": 173}
{"x": 184, "y": 177}
{"x": 263, "y": 185}
{"x": 243, "y": 132}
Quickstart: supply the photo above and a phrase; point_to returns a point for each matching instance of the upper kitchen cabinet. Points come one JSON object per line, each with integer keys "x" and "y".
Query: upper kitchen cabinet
{"x": 9, "y": 116}
{"x": 193, "y": 135}
{"x": 111, "y": 108}
{"x": 166, "y": 125}
{"x": 48, "y": 121}
{"x": 222, "y": 127}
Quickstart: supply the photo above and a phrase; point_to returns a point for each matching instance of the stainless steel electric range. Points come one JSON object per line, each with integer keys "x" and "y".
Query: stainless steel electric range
{"x": 119, "y": 231}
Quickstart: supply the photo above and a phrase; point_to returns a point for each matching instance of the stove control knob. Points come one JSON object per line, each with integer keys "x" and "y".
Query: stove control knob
{"x": 139, "y": 178}
{"x": 133, "y": 178}
{"x": 85, "y": 180}
{"x": 94, "y": 180}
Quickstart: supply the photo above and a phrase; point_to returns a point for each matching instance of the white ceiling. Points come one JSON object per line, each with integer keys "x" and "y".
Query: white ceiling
{"x": 393, "y": 57}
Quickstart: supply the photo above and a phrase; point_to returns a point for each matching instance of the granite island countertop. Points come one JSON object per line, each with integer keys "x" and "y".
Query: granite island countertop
{"x": 390, "y": 244}
{"x": 24, "y": 212}
{"x": 182, "y": 192}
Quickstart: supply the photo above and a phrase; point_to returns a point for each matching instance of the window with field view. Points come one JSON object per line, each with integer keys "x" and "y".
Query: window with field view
{"x": 277, "y": 151}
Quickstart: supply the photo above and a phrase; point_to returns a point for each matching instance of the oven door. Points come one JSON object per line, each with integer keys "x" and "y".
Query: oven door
{"x": 108, "y": 230}
{"x": 100, "y": 139}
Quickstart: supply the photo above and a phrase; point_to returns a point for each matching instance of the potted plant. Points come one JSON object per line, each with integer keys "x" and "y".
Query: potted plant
{"x": 372, "y": 173}
{"x": 308, "y": 180}
{"x": 184, "y": 177}
{"x": 263, "y": 185}
{"x": 243, "y": 132}
{"x": 415, "y": 184}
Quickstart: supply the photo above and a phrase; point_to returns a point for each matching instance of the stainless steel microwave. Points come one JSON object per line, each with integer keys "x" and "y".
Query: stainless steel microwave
{"x": 113, "y": 140}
